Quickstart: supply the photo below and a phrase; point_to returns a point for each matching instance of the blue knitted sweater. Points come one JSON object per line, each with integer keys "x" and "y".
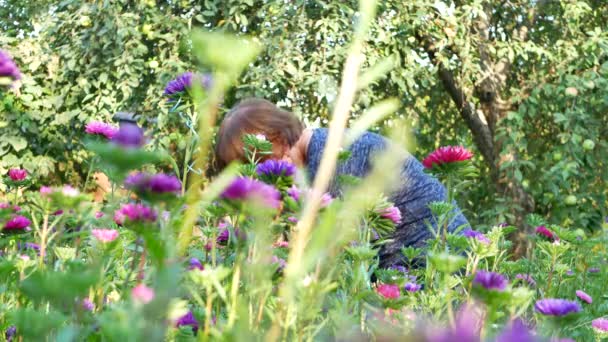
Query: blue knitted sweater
{"x": 412, "y": 195}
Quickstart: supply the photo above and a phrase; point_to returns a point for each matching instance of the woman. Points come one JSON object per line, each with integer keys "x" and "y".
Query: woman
{"x": 304, "y": 147}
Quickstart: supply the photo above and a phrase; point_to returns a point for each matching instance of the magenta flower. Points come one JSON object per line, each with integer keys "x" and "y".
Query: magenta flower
{"x": 466, "y": 330}
{"x": 600, "y": 325}
{"x": 392, "y": 213}
{"x": 292, "y": 219}
{"x": 17, "y": 222}
{"x": 134, "y": 212}
{"x": 281, "y": 244}
{"x": 389, "y": 291}
{"x": 101, "y": 128}
{"x": 223, "y": 236}
{"x": 490, "y": 281}
{"x": 183, "y": 83}
{"x": 195, "y": 264}
{"x": 129, "y": 135}
{"x": 105, "y": 235}
{"x": 17, "y": 174}
{"x": 412, "y": 287}
{"x": 8, "y": 68}
{"x": 99, "y": 215}
{"x": 187, "y": 320}
{"x": 473, "y": 234}
{"x": 158, "y": 183}
{"x": 46, "y": 190}
{"x": 142, "y": 294}
{"x": 243, "y": 188}
{"x": 88, "y": 305}
{"x": 556, "y": 307}
{"x": 6, "y": 205}
{"x": 584, "y": 297}
{"x": 273, "y": 167}
{"x": 326, "y": 200}
{"x": 446, "y": 155}
{"x": 546, "y": 233}
{"x": 527, "y": 278}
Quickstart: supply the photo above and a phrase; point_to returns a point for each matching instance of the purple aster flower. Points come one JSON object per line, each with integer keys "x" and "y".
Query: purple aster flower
{"x": 292, "y": 219}
{"x": 392, "y": 213}
{"x": 399, "y": 268}
{"x": 188, "y": 320}
{"x": 17, "y": 174}
{"x": 556, "y": 307}
{"x": 243, "y": 188}
{"x": 280, "y": 262}
{"x": 223, "y": 236}
{"x": 10, "y": 332}
{"x": 8, "y": 68}
{"x": 101, "y": 128}
{"x": 6, "y": 205}
{"x": 527, "y": 278}
{"x": 569, "y": 273}
{"x": 17, "y": 222}
{"x": 195, "y": 264}
{"x": 273, "y": 167}
{"x": 412, "y": 287}
{"x": 600, "y": 325}
{"x": 28, "y": 245}
{"x": 129, "y": 135}
{"x": 466, "y": 329}
{"x": 134, "y": 212}
{"x": 87, "y": 304}
{"x": 490, "y": 281}
{"x": 516, "y": 331}
{"x": 183, "y": 83}
{"x": 503, "y": 225}
{"x": 294, "y": 193}
{"x": 161, "y": 182}
{"x": 584, "y": 296}
{"x": 593, "y": 270}
{"x": 472, "y": 234}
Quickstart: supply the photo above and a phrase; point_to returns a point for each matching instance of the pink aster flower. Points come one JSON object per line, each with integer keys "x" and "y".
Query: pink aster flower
{"x": 46, "y": 190}
{"x": 101, "y": 128}
{"x": 17, "y": 174}
{"x": 8, "y": 68}
{"x": 243, "y": 188}
{"x": 17, "y": 223}
{"x": 142, "y": 294}
{"x": 445, "y": 155}
{"x": 600, "y": 325}
{"x": 389, "y": 291}
{"x": 99, "y": 215}
{"x": 105, "y": 235}
{"x": 70, "y": 191}
{"x": 392, "y": 213}
{"x": 584, "y": 297}
{"x": 281, "y": 244}
{"x": 294, "y": 193}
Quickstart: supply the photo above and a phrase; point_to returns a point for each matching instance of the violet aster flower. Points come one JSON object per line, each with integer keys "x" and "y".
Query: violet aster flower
{"x": 392, "y": 213}
{"x": 546, "y": 233}
{"x": 195, "y": 264}
{"x": 516, "y": 332}
{"x": 17, "y": 174}
{"x": 399, "y": 268}
{"x": 412, "y": 287}
{"x": 105, "y": 235}
{"x": 8, "y": 68}
{"x": 243, "y": 188}
{"x": 17, "y": 223}
{"x": 556, "y": 307}
{"x": 593, "y": 270}
{"x": 389, "y": 291}
{"x": 446, "y": 155}
{"x": 129, "y": 135}
{"x": 273, "y": 167}
{"x": 473, "y": 234}
{"x": 10, "y": 333}
{"x": 569, "y": 273}
{"x": 490, "y": 281}
{"x": 101, "y": 128}
{"x": 223, "y": 236}
{"x": 527, "y": 278}
{"x": 187, "y": 320}
{"x": 466, "y": 329}
{"x": 584, "y": 297}
{"x": 134, "y": 212}
{"x": 183, "y": 83}
{"x": 600, "y": 325}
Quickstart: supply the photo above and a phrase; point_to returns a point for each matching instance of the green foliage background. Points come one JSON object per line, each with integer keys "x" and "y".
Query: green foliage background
{"x": 506, "y": 63}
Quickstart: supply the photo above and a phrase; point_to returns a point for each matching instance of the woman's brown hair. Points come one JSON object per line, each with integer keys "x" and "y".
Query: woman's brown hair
{"x": 254, "y": 116}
